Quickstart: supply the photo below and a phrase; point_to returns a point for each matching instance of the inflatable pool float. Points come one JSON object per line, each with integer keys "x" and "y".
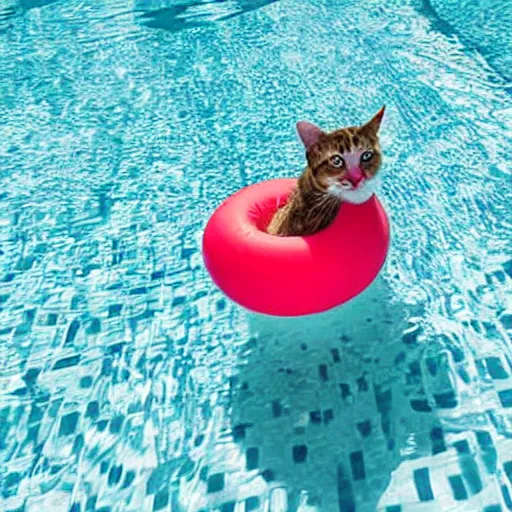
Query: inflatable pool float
{"x": 295, "y": 275}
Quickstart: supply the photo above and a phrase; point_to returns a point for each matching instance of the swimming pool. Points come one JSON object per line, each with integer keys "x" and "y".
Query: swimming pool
{"x": 128, "y": 381}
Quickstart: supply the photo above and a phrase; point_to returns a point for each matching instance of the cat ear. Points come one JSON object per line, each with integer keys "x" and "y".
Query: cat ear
{"x": 373, "y": 124}
{"x": 308, "y": 133}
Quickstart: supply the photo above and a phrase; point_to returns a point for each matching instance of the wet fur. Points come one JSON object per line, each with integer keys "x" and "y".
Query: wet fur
{"x": 314, "y": 203}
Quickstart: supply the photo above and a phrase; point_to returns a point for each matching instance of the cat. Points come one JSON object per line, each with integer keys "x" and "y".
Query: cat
{"x": 341, "y": 167}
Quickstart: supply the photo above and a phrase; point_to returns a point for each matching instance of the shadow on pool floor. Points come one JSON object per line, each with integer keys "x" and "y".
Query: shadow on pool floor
{"x": 324, "y": 406}
{"x": 194, "y": 14}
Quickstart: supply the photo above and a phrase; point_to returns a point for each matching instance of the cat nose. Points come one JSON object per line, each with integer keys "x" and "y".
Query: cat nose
{"x": 355, "y": 176}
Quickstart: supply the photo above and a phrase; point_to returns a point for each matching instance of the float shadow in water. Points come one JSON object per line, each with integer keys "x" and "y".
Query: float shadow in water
{"x": 322, "y": 404}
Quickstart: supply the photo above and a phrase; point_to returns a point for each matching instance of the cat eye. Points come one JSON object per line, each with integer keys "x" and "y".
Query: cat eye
{"x": 337, "y": 161}
{"x": 367, "y": 156}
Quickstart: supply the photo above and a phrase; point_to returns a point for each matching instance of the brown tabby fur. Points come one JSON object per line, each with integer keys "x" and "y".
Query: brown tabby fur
{"x": 311, "y": 207}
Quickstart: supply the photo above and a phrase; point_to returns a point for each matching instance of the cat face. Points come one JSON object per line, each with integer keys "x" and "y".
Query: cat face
{"x": 344, "y": 163}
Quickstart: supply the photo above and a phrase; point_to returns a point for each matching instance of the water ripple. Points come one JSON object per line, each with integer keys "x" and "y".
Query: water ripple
{"x": 129, "y": 381}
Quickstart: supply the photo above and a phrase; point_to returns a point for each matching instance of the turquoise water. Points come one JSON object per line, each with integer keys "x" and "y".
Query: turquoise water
{"x": 128, "y": 381}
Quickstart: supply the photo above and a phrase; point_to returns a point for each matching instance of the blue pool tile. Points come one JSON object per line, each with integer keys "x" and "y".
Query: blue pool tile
{"x": 228, "y": 507}
{"x": 94, "y": 326}
{"x": 158, "y": 274}
{"x": 26, "y": 325}
{"x": 357, "y": 465}
{"x": 420, "y": 405}
{"x": 116, "y": 424}
{"x": 101, "y": 425}
{"x": 335, "y": 355}
{"x": 203, "y": 474}
{"x": 161, "y": 500}
{"x": 32, "y": 433}
{"x": 268, "y": 475}
{"x": 322, "y": 372}
{"x": 215, "y": 482}
{"x": 345, "y": 390}
{"x": 299, "y": 453}
{"x": 115, "y": 348}
{"x": 493, "y": 508}
{"x": 36, "y": 414}
{"x": 19, "y": 392}
{"x": 495, "y": 368}
{"x": 431, "y": 365}
{"x": 422, "y": 483}
{"x": 328, "y": 416}
{"x": 437, "y": 439}
{"x": 362, "y": 384}
{"x": 187, "y": 252}
{"x": 179, "y": 301}
{"x": 506, "y": 496}
{"x": 383, "y": 399}
{"x": 411, "y": 337}
{"x": 277, "y": 410}
{"x": 461, "y": 446}
{"x": 139, "y": 290}
{"x": 506, "y": 398}
{"x": 484, "y": 439}
{"x": 506, "y": 321}
{"x": 446, "y": 400}
{"x": 315, "y": 417}
{"x": 11, "y": 483}
{"x": 72, "y": 332}
{"x": 187, "y": 468}
{"x": 31, "y": 375}
{"x": 86, "y": 382}
{"x": 114, "y": 475}
{"x": 507, "y": 466}
{"x": 365, "y": 428}
{"x": 104, "y": 467}
{"x": 9, "y": 277}
{"x": 92, "y": 410}
{"x": 129, "y": 477}
{"x": 489, "y": 455}
{"x": 114, "y": 310}
{"x": 252, "y": 503}
{"x": 106, "y": 366}
{"x": 75, "y": 508}
{"x": 67, "y": 362}
{"x": 90, "y": 504}
{"x": 394, "y": 508}
{"x": 252, "y": 456}
{"x": 78, "y": 444}
{"x": 240, "y": 430}
{"x": 463, "y": 374}
{"x": 471, "y": 473}
{"x": 400, "y": 358}
{"x": 458, "y": 488}
{"x": 385, "y": 423}
{"x": 346, "y": 502}
{"x": 68, "y": 424}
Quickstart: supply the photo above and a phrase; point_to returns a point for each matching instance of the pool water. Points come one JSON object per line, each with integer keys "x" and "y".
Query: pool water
{"x": 129, "y": 382}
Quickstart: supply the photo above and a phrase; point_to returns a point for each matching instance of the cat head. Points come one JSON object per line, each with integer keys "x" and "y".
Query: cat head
{"x": 344, "y": 163}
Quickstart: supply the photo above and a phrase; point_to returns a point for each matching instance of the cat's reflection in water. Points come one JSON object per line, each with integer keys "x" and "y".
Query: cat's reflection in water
{"x": 317, "y": 400}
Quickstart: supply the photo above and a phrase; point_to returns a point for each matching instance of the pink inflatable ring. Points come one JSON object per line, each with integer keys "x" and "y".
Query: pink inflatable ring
{"x": 292, "y": 276}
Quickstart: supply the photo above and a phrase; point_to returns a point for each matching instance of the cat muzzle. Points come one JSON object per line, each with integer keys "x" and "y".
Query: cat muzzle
{"x": 348, "y": 184}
